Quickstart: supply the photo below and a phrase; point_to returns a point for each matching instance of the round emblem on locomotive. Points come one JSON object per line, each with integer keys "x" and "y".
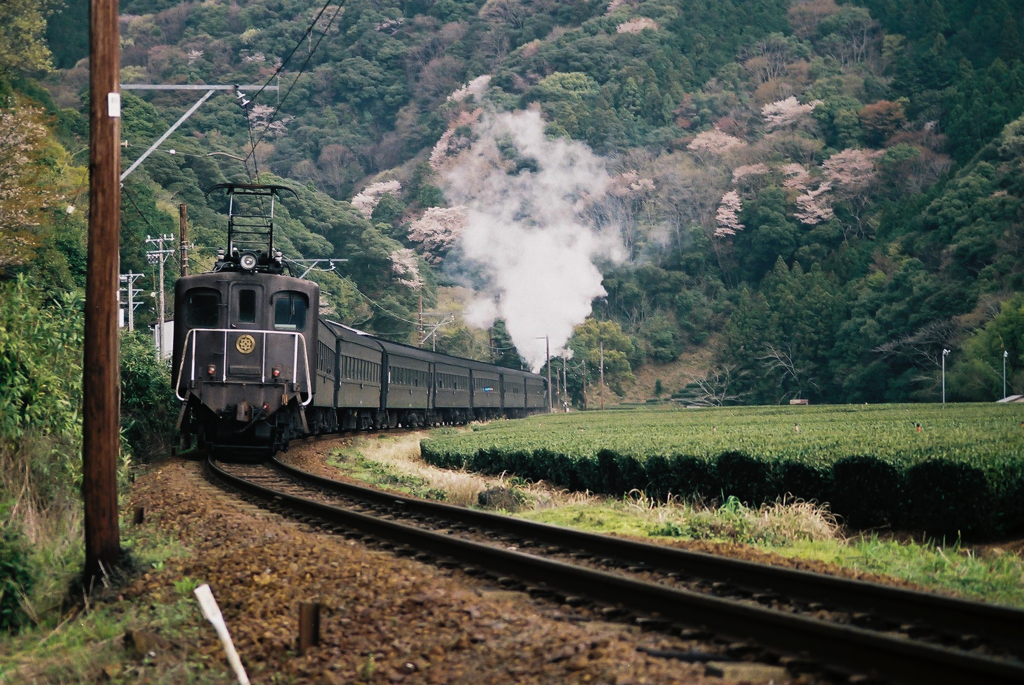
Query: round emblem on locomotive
{"x": 245, "y": 344}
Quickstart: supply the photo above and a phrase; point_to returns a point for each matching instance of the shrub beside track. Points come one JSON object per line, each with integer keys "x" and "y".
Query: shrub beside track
{"x": 963, "y": 472}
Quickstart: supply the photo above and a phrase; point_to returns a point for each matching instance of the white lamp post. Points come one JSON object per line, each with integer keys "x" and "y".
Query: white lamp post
{"x": 945, "y": 353}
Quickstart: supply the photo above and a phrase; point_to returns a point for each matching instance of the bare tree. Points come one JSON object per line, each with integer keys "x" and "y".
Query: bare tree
{"x": 780, "y": 359}
{"x": 510, "y": 12}
{"x": 767, "y": 58}
{"x": 923, "y": 347}
{"x": 711, "y": 389}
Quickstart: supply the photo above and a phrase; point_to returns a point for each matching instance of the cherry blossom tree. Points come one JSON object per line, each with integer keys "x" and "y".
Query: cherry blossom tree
{"x": 815, "y": 206}
{"x": 727, "y": 217}
{"x": 741, "y": 173}
{"x": 787, "y": 113}
{"x": 712, "y": 143}
{"x": 371, "y": 195}
{"x": 852, "y": 173}
{"x": 451, "y": 141}
{"x": 616, "y": 4}
{"x": 637, "y": 25}
{"x": 262, "y": 118}
{"x": 406, "y": 268}
{"x": 795, "y": 176}
{"x": 437, "y": 231}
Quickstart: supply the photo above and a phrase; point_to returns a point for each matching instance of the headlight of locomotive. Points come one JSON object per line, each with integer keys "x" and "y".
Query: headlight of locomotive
{"x": 248, "y": 261}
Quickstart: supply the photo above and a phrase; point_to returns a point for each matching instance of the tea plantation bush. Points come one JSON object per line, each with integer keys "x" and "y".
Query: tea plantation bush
{"x": 963, "y": 472}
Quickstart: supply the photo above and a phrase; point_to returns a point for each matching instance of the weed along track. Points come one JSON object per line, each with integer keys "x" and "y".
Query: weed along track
{"x": 835, "y": 629}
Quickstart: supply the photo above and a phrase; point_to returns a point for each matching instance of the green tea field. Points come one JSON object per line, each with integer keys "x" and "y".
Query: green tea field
{"x": 946, "y": 470}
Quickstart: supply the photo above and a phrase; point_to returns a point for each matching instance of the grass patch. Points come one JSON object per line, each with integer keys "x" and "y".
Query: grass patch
{"x": 84, "y": 641}
{"x": 782, "y": 523}
{"x": 989, "y": 576}
{"x": 394, "y": 462}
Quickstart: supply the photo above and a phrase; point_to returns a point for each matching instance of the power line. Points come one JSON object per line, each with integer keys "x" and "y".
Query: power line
{"x": 284, "y": 62}
{"x": 386, "y": 311}
{"x": 138, "y": 211}
{"x": 280, "y": 104}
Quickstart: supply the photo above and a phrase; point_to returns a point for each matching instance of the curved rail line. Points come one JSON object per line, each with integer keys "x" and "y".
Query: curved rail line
{"x": 849, "y": 647}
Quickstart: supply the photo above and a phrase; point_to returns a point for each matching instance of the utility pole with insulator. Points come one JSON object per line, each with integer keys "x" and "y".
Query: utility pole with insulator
{"x": 101, "y": 416}
{"x": 602, "y": 376}
{"x": 565, "y": 383}
{"x": 183, "y": 233}
{"x": 158, "y": 257}
{"x": 584, "y": 362}
{"x": 129, "y": 281}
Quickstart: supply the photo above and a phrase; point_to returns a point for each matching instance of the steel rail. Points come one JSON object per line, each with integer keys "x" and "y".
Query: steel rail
{"x": 848, "y": 647}
{"x": 1000, "y": 624}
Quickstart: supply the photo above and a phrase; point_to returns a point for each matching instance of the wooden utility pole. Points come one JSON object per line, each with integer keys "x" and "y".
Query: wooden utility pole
{"x": 602, "y": 376}
{"x": 183, "y": 233}
{"x": 565, "y": 384}
{"x": 584, "y": 384}
{"x": 101, "y": 411}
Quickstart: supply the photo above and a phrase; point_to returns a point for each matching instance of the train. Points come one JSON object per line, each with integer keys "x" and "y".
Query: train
{"x": 255, "y": 366}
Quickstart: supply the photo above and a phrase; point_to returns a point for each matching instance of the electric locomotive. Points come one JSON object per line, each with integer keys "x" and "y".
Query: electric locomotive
{"x": 245, "y": 336}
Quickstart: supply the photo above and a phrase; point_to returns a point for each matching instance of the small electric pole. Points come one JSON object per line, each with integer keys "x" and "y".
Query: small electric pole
{"x": 1005, "y": 355}
{"x": 158, "y": 257}
{"x": 129, "y": 282}
{"x": 547, "y": 353}
{"x": 565, "y": 385}
{"x": 584, "y": 362}
{"x": 602, "y": 375}
{"x": 420, "y": 322}
{"x": 101, "y": 415}
{"x": 183, "y": 237}
{"x": 547, "y": 357}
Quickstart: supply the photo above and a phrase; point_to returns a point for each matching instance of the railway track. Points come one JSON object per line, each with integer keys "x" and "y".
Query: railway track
{"x": 850, "y": 629}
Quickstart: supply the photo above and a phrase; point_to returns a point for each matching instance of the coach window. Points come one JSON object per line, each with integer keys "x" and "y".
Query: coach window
{"x": 246, "y": 306}
{"x": 203, "y": 309}
{"x": 290, "y": 311}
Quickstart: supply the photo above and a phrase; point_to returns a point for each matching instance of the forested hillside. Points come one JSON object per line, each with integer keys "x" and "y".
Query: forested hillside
{"x": 828, "y": 194}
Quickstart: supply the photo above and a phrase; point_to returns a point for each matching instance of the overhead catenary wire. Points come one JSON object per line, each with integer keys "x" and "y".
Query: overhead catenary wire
{"x": 284, "y": 62}
{"x": 131, "y": 199}
{"x": 302, "y": 69}
{"x": 391, "y": 313}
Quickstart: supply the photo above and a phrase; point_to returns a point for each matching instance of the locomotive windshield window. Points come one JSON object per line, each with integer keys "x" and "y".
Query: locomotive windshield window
{"x": 203, "y": 309}
{"x": 246, "y": 306}
{"x": 290, "y": 311}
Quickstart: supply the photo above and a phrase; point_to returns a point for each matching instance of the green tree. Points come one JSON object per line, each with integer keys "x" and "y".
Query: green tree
{"x": 503, "y": 349}
{"x": 978, "y": 373}
{"x": 22, "y": 44}
{"x": 593, "y": 339}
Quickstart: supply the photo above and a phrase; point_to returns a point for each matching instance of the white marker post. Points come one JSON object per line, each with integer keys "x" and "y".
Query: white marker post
{"x": 212, "y": 613}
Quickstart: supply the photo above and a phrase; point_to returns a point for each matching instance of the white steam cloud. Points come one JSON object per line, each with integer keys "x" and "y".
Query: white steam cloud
{"x": 529, "y": 230}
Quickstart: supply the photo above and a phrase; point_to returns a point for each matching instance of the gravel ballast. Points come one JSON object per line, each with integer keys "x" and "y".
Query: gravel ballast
{"x": 385, "y": 618}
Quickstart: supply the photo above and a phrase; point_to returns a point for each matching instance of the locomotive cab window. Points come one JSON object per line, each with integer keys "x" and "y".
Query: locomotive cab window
{"x": 203, "y": 310}
{"x": 290, "y": 311}
{"x": 246, "y": 306}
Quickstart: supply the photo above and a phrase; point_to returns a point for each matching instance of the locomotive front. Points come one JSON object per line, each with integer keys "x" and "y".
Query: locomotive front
{"x": 244, "y": 339}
